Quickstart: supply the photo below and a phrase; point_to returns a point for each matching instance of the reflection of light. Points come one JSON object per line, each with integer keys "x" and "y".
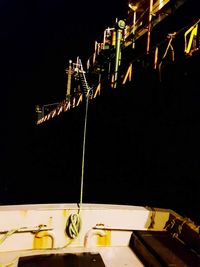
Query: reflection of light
{"x": 134, "y": 8}
{"x": 161, "y": 4}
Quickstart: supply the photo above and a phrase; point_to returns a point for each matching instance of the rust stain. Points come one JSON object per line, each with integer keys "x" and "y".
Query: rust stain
{"x": 23, "y": 213}
{"x": 50, "y": 221}
{"x": 65, "y": 213}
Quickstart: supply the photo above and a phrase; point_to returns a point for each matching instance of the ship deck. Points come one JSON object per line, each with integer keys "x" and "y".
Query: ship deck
{"x": 110, "y": 236}
{"x": 101, "y": 257}
{"x": 159, "y": 252}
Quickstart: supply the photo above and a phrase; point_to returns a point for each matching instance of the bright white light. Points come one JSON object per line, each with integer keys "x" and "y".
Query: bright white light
{"x": 161, "y": 4}
{"x": 134, "y": 8}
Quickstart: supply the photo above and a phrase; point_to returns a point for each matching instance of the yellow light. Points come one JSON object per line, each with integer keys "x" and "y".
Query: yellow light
{"x": 161, "y": 4}
{"x": 134, "y": 8}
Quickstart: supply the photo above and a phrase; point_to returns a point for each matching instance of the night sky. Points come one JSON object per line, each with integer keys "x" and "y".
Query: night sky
{"x": 144, "y": 153}
{"x": 37, "y": 39}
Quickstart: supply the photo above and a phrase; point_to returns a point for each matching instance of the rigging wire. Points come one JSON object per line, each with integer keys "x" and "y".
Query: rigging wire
{"x": 83, "y": 151}
{"x": 87, "y": 94}
{"x": 2, "y": 239}
{"x": 74, "y": 221}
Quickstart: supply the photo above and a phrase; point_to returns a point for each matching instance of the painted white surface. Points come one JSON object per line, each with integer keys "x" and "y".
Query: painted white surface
{"x": 121, "y": 220}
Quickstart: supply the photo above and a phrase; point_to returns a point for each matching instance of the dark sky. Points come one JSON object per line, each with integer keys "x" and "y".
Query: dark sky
{"x": 37, "y": 38}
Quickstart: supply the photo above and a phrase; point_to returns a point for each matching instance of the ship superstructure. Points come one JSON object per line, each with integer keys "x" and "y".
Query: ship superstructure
{"x": 152, "y": 34}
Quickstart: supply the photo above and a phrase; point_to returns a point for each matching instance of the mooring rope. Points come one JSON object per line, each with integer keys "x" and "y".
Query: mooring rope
{"x": 83, "y": 151}
{"x": 74, "y": 221}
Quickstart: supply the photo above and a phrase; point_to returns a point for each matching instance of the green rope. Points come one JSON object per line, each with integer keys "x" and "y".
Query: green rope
{"x": 83, "y": 151}
{"x": 9, "y": 233}
{"x": 73, "y": 225}
{"x": 74, "y": 221}
{"x": 2, "y": 239}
